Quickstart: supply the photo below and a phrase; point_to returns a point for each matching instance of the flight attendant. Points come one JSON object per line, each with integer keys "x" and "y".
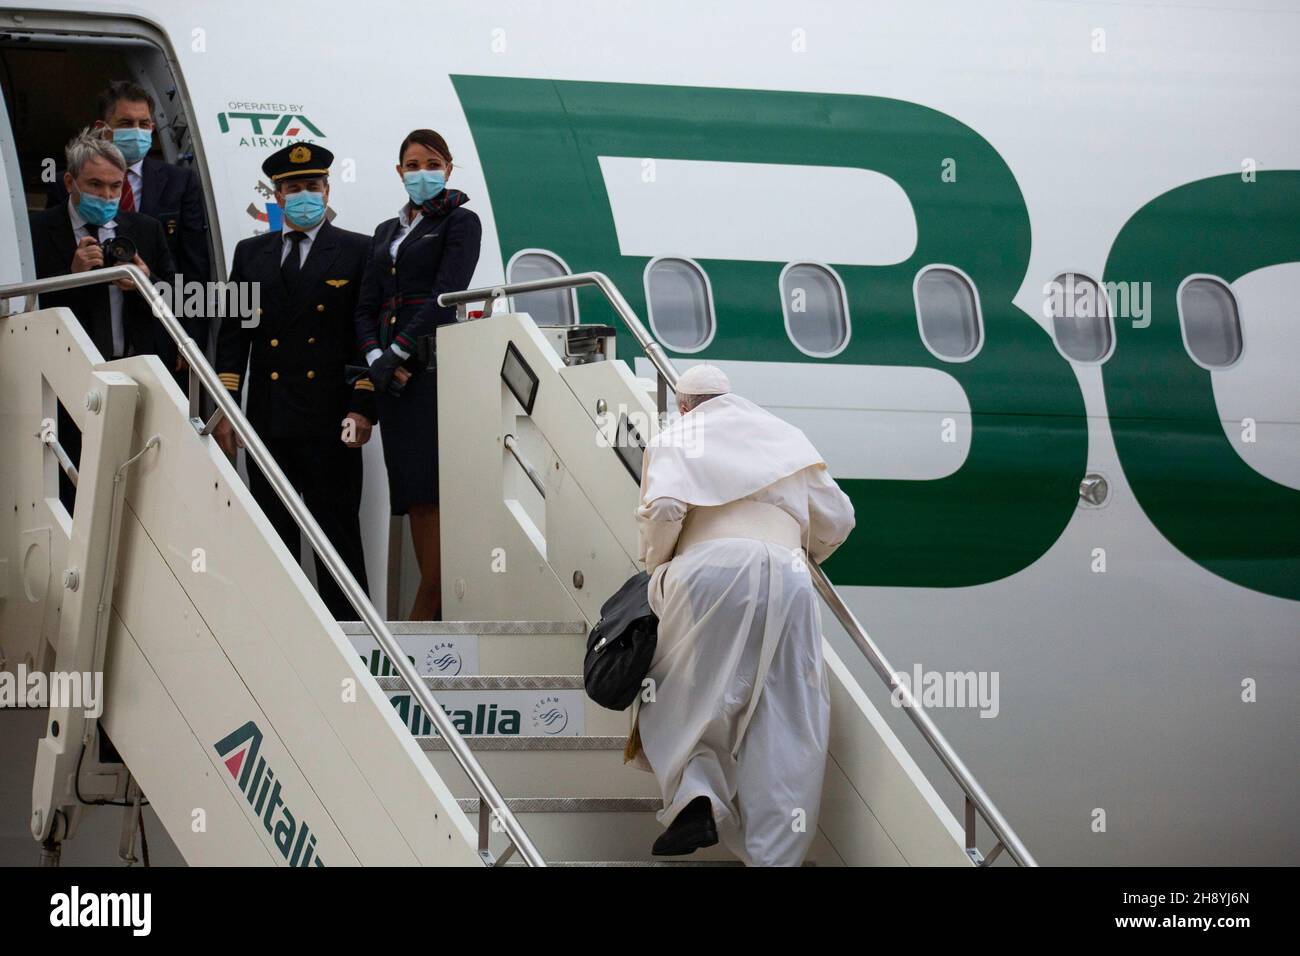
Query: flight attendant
{"x": 431, "y": 247}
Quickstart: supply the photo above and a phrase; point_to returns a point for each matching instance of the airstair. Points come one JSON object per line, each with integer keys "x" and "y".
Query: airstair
{"x": 263, "y": 732}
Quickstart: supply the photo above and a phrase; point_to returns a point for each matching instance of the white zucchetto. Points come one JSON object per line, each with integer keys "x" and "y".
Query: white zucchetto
{"x": 703, "y": 379}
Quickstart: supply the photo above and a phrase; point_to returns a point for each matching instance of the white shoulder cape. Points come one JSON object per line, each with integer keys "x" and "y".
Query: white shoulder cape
{"x": 722, "y": 451}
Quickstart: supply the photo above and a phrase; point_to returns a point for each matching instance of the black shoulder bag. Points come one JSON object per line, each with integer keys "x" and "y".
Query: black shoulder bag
{"x": 621, "y": 646}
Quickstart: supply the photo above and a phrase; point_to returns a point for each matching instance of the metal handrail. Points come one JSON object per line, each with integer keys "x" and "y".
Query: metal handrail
{"x": 977, "y": 801}
{"x": 201, "y": 373}
{"x": 533, "y": 475}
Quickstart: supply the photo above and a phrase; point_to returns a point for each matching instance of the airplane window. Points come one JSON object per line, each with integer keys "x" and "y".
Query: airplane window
{"x": 948, "y": 312}
{"x": 813, "y": 300}
{"x": 558, "y": 307}
{"x": 1211, "y": 323}
{"x": 679, "y": 303}
{"x": 1081, "y": 320}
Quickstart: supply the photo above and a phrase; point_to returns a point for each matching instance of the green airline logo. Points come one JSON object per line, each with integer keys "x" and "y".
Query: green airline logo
{"x": 1019, "y": 485}
{"x": 264, "y": 129}
{"x": 255, "y": 779}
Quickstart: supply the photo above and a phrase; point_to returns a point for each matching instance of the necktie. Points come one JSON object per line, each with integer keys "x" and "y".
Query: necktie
{"x": 290, "y": 268}
{"x": 127, "y": 202}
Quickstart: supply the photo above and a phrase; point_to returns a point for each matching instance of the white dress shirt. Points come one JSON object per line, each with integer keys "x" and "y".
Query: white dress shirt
{"x": 405, "y": 223}
{"x": 304, "y": 246}
{"x": 107, "y": 231}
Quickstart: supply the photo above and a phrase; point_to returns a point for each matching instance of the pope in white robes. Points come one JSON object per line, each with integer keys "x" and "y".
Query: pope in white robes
{"x": 732, "y": 499}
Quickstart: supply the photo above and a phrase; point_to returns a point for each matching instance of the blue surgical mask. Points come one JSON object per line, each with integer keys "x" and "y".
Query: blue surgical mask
{"x": 423, "y": 184}
{"x": 305, "y": 209}
{"x": 96, "y": 210}
{"x": 133, "y": 143}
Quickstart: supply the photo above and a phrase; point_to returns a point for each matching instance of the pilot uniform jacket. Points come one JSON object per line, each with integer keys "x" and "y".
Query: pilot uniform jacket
{"x": 54, "y": 244}
{"x": 298, "y": 395}
{"x": 173, "y": 196}
{"x": 398, "y": 303}
{"x": 297, "y": 353}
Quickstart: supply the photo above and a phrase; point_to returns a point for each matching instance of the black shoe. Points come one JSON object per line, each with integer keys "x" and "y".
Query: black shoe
{"x": 692, "y": 829}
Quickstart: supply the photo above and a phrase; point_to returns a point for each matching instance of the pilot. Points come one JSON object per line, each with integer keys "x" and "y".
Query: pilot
{"x": 431, "y": 247}
{"x": 312, "y": 419}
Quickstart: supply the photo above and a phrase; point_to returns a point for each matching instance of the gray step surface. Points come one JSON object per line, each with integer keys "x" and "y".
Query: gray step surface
{"x": 531, "y": 743}
{"x": 489, "y": 682}
{"x": 595, "y": 834}
{"x": 665, "y": 861}
{"x": 571, "y": 804}
{"x": 451, "y": 628}
{"x": 545, "y": 767}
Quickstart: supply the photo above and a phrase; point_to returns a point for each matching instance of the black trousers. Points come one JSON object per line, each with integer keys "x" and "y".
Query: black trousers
{"x": 328, "y": 475}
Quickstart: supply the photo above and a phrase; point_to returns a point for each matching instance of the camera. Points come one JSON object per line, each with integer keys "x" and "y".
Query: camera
{"x": 117, "y": 251}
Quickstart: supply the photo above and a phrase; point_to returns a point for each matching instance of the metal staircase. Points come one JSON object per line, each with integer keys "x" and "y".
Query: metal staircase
{"x": 479, "y": 717}
{"x": 571, "y": 792}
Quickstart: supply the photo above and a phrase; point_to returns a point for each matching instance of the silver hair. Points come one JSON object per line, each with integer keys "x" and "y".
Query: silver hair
{"x": 90, "y": 144}
{"x": 691, "y": 402}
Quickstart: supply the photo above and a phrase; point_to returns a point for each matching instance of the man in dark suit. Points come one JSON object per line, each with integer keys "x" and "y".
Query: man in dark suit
{"x": 313, "y": 421}
{"x": 70, "y": 237}
{"x": 170, "y": 194}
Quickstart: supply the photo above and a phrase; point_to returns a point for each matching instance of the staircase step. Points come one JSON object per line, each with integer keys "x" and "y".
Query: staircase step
{"x": 616, "y": 829}
{"x": 686, "y": 861}
{"x": 571, "y": 804}
{"x": 516, "y": 704}
{"x": 545, "y": 766}
{"x": 491, "y": 682}
{"x": 404, "y": 628}
{"x": 483, "y": 647}
{"x": 596, "y": 835}
{"x": 529, "y": 743}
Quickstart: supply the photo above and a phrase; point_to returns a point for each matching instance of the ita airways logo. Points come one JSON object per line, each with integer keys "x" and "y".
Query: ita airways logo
{"x": 443, "y": 659}
{"x": 267, "y": 125}
{"x": 255, "y": 779}
{"x": 550, "y": 716}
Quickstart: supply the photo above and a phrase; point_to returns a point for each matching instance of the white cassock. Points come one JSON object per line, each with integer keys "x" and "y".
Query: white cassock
{"x": 734, "y": 598}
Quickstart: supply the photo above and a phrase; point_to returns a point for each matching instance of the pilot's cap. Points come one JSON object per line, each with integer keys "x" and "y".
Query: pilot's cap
{"x": 298, "y": 161}
{"x": 703, "y": 380}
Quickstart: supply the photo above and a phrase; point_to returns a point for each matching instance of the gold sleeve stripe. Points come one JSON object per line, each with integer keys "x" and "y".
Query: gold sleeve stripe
{"x": 230, "y": 380}
{"x": 365, "y": 385}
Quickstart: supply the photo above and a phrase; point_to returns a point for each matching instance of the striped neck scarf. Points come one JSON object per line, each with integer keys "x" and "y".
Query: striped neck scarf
{"x": 443, "y": 203}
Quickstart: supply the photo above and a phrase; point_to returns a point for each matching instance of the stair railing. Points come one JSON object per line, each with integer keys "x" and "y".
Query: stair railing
{"x": 202, "y": 375}
{"x": 978, "y": 803}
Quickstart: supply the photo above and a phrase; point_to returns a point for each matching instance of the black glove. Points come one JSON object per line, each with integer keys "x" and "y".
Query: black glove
{"x": 382, "y": 369}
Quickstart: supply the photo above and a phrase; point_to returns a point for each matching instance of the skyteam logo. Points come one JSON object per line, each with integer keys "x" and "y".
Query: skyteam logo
{"x": 256, "y": 781}
{"x": 443, "y": 659}
{"x": 550, "y": 716}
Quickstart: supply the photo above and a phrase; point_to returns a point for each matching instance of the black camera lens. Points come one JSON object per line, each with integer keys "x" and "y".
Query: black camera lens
{"x": 118, "y": 250}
